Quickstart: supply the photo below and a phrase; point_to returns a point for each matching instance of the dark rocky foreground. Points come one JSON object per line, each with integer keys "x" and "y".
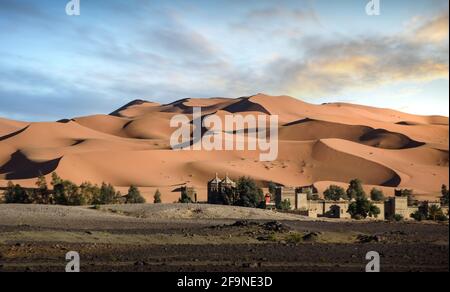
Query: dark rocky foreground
{"x": 209, "y": 246}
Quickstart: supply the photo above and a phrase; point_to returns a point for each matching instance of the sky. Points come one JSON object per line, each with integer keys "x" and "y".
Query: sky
{"x": 55, "y": 66}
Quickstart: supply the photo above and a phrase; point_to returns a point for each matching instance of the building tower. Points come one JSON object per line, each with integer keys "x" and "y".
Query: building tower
{"x": 214, "y": 190}
{"x": 218, "y": 188}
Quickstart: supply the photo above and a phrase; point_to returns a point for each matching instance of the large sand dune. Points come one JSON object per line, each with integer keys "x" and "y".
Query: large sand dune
{"x": 322, "y": 144}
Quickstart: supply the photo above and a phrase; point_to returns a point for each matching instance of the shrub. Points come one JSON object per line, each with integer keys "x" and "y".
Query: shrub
{"x": 313, "y": 197}
{"x": 441, "y": 218}
{"x": 73, "y": 195}
{"x": 134, "y": 196}
{"x": 89, "y": 192}
{"x": 294, "y": 238}
{"x": 358, "y": 217}
{"x": 363, "y": 208}
{"x": 185, "y": 199}
{"x": 56, "y": 180}
{"x": 107, "y": 195}
{"x": 15, "y": 194}
{"x": 335, "y": 193}
{"x": 418, "y": 216}
{"x": 355, "y": 190}
{"x": 228, "y": 197}
{"x": 41, "y": 195}
{"x": 68, "y": 193}
{"x": 272, "y": 188}
{"x": 376, "y": 195}
{"x": 406, "y": 193}
{"x": 59, "y": 195}
{"x": 410, "y": 195}
{"x": 435, "y": 213}
{"x": 157, "y": 197}
{"x": 444, "y": 193}
{"x": 285, "y": 205}
{"x": 398, "y": 217}
{"x": 248, "y": 193}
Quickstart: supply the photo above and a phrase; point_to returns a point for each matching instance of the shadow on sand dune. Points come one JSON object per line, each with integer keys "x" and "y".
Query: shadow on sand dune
{"x": 3, "y": 138}
{"x": 20, "y": 167}
{"x": 310, "y": 129}
{"x": 245, "y": 105}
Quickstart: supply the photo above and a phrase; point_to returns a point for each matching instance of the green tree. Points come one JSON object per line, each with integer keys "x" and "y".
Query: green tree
{"x": 41, "y": 195}
{"x": 355, "y": 190}
{"x": 228, "y": 197}
{"x": 410, "y": 195}
{"x": 418, "y": 216}
{"x": 59, "y": 193}
{"x": 377, "y": 195}
{"x": 435, "y": 212}
{"x": 272, "y": 189}
{"x": 363, "y": 208}
{"x": 312, "y": 197}
{"x": 406, "y": 193}
{"x": 157, "y": 197}
{"x": 185, "y": 199}
{"x": 444, "y": 193}
{"x": 59, "y": 197}
{"x": 69, "y": 194}
{"x": 335, "y": 193}
{"x": 285, "y": 205}
{"x": 107, "y": 195}
{"x": 398, "y": 217}
{"x": 89, "y": 192}
{"x": 15, "y": 194}
{"x": 73, "y": 194}
{"x": 249, "y": 194}
{"x": 56, "y": 180}
{"x": 134, "y": 196}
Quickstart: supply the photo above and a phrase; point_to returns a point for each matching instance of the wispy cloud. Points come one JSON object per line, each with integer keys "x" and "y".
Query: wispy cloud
{"x": 334, "y": 66}
{"x": 117, "y": 51}
{"x": 435, "y": 30}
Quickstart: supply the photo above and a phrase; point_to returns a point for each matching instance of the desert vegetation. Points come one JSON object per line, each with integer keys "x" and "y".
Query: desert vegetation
{"x": 335, "y": 193}
{"x": 444, "y": 193}
{"x": 157, "y": 197}
{"x": 360, "y": 207}
{"x": 377, "y": 195}
{"x": 431, "y": 213}
{"x": 246, "y": 193}
{"x": 65, "y": 192}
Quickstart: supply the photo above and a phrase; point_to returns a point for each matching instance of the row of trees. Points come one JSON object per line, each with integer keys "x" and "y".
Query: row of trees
{"x": 360, "y": 207}
{"x": 433, "y": 213}
{"x": 354, "y": 191}
{"x": 65, "y": 192}
{"x": 246, "y": 194}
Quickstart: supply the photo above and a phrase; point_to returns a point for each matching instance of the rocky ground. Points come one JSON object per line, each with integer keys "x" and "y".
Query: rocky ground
{"x": 186, "y": 238}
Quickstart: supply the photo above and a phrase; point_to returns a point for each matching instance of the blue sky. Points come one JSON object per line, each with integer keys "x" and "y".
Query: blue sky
{"x": 53, "y": 66}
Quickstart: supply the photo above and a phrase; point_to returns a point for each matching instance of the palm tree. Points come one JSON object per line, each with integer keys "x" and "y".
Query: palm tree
{"x": 434, "y": 211}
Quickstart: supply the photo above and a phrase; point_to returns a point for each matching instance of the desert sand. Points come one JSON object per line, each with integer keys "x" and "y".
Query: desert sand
{"x": 319, "y": 144}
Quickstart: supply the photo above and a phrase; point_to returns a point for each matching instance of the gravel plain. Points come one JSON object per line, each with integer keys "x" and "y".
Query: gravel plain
{"x": 204, "y": 238}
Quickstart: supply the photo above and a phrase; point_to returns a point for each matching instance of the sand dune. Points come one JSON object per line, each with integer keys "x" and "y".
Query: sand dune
{"x": 8, "y": 127}
{"x": 308, "y": 129}
{"x": 321, "y": 144}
